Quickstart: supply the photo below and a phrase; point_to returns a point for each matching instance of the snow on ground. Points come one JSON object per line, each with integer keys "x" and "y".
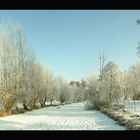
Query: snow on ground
{"x": 131, "y": 106}
{"x": 134, "y": 106}
{"x": 67, "y": 117}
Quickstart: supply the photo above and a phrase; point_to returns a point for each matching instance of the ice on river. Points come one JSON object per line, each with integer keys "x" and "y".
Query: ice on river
{"x": 65, "y": 117}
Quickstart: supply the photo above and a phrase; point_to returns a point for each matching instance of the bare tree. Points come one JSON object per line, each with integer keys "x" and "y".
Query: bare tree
{"x": 64, "y": 94}
{"x": 112, "y": 81}
{"x": 92, "y": 97}
{"x": 11, "y": 43}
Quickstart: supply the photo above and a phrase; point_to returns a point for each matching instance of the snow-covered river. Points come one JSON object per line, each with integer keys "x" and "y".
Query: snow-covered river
{"x": 67, "y": 117}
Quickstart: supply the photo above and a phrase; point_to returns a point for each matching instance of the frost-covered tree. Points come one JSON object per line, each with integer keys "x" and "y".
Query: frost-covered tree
{"x": 125, "y": 83}
{"x": 134, "y": 80}
{"x": 63, "y": 87}
{"x": 83, "y": 83}
{"x": 111, "y": 87}
{"x": 13, "y": 64}
{"x": 50, "y": 87}
{"x": 22, "y": 78}
{"x": 106, "y": 89}
{"x": 93, "y": 95}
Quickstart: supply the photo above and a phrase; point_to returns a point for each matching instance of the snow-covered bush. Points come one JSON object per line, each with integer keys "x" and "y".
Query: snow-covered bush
{"x": 89, "y": 105}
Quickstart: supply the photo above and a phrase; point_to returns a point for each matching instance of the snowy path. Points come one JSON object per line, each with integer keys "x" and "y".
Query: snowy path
{"x": 67, "y": 117}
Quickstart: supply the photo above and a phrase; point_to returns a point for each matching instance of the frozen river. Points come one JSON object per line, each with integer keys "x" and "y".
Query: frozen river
{"x": 66, "y": 117}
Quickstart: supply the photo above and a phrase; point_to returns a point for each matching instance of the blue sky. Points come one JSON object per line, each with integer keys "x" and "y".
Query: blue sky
{"x": 69, "y": 41}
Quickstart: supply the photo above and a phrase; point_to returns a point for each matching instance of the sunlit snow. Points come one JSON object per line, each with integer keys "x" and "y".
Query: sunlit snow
{"x": 67, "y": 117}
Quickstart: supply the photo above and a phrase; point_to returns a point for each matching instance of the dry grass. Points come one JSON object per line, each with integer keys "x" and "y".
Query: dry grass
{"x": 136, "y": 97}
{"x": 134, "y": 124}
{"x": 3, "y": 114}
{"x": 117, "y": 113}
{"x": 123, "y": 118}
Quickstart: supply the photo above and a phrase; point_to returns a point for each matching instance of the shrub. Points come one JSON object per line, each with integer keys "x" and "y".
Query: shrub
{"x": 89, "y": 106}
